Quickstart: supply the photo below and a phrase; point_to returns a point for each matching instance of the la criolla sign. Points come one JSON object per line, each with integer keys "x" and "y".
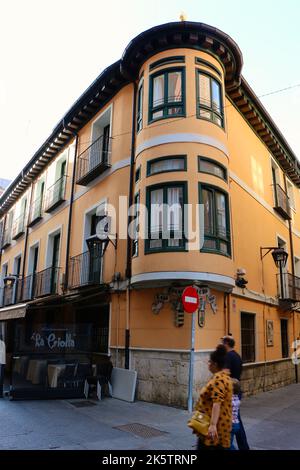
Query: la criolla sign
{"x": 156, "y": 221}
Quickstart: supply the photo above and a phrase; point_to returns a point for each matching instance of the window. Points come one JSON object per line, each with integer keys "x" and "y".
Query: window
{"x": 138, "y": 174}
{"x": 166, "y": 94}
{"x": 165, "y": 206}
{"x": 206, "y": 165}
{"x": 135, "y": 241}
{"x": 284, "y": 338}
{"x": 248, "y": 337}
{"x": 290, "y": 193}
{"x": 167, "y": 60}
{"x": 209, "y": 98}
{"x": 17, "y": 266}
{"x": 216, "y": 220}
{"x": 139, "y": 124}
{"x": 164, "y": 164}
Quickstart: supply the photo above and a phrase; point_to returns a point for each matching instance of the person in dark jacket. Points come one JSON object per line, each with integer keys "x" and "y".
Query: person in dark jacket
{"x": 234, "y": 365}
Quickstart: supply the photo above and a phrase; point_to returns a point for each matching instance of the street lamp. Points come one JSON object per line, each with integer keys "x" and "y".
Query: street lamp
{"x": 280, "y": 257}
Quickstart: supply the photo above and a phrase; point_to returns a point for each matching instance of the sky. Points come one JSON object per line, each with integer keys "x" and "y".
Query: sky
{"x": 51, "y": 50}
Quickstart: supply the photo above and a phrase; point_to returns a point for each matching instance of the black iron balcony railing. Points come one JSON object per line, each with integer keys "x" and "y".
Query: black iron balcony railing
{"x": 85, "y": 269}
{"x": 282, "y": 202}
{"x": 288, "y": 287}
{"x": 56, "y": 194}
{"x": 6, "y": 240}
{"x": 36, "y": 211}
{"x": 25, "y": 290}
{"x": 93, "y": 161}
{"x": 46, "y": 282}
{"x": 18, "y": 227}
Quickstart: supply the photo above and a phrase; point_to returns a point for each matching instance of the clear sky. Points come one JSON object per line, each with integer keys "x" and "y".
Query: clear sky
{"x": 51, "y": 50}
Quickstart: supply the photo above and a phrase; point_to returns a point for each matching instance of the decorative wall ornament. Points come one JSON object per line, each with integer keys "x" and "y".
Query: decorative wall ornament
{"x": 270, "y": 332}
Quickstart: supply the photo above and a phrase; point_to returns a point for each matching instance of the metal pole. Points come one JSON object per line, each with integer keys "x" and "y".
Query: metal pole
{"x": 191, "y": 369}
{"x": 281, "y": 280}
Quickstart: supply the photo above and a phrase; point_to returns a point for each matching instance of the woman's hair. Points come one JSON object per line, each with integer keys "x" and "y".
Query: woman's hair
{"x": 218, "y": 356}
{"x": 236, "y": 386}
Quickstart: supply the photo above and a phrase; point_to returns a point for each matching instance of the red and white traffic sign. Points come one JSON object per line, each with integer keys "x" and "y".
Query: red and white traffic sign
{"x": 190, "y": 299}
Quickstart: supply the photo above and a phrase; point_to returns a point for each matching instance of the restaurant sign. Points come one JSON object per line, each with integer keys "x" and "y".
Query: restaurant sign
{"x": 55, "y": 339}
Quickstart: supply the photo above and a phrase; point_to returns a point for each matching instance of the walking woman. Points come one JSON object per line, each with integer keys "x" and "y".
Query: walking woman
{"x": 215, "y": 401}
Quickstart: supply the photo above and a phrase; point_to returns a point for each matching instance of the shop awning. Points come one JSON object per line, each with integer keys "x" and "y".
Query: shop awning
{"x": 14, "y": 311}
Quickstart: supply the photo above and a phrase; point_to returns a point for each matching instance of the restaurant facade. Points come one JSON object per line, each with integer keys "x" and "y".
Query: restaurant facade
{"x": 172, "y": 122}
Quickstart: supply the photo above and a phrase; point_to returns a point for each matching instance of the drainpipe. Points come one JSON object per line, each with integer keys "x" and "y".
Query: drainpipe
{"x": 70, "y": 215}
{"x": 129, "y": 241}
{"x": 26, "y": 242}
{"x": 293, "y": 270}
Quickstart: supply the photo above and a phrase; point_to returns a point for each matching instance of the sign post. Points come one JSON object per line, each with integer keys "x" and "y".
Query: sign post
{"x": 190, "y": 302}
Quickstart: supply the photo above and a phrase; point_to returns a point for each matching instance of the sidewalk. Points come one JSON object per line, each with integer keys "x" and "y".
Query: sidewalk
{"x": 271, "y": 419}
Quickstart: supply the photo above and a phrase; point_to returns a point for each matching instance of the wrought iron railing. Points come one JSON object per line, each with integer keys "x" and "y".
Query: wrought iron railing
{"x": 288, "y": 287}
{"x": 93, "y": 160}
{"x": 18, "y": 227}
{"x": 46, "y": 282}
{"x": 25, "y": 290}
{"x": 36, "y": 210}
{"x": 56, "y": 194}
{"x": 282, "y": 202}
{"x": 85, "y": 269}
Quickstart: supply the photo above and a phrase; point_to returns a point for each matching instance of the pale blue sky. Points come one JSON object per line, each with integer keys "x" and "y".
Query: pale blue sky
{"x": 52, "y": 50}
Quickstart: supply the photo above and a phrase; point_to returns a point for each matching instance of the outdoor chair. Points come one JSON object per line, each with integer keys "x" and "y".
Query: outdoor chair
{"x": 66, "y": 378}
{"x": 82, "y": 372}
{"x": 101, "y": 378}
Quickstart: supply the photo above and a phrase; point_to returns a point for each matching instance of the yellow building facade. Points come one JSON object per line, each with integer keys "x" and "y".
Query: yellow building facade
{"x": 172, "y": 122}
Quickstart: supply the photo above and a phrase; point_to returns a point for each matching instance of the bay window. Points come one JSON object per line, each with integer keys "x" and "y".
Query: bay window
{"x": 165, "y": 204}
{"x": 165, "y": 164}
{"x": 166, "y": 94}
{"x": 216, "y": 220}
{"x": 209, "y": 98}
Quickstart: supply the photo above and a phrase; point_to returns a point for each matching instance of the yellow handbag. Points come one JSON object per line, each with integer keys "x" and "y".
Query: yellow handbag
{"x": 199, "y": 423}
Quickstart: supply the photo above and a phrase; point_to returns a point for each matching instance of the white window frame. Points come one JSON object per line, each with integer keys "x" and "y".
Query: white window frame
{"x": 49, "y": 249}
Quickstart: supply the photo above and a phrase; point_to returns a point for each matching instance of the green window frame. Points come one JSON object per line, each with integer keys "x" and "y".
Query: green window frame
{"x": 176, "y": 241}
{"x": 140, "y": 98}
{"x": 213, "y": 163}
{"x": 217, "y": 236}
{"x": 167, "y": 60}
{"x": 167, "y": 106}
{"x": 210, "y": 108}
{"x": 167, "y": 159}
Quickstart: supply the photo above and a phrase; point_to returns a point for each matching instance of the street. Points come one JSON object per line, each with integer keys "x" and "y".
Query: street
{"x": 271, "y": 419}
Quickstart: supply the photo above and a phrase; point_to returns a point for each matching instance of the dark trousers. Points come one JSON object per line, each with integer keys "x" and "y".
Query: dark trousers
{"x": 241, "y": 437}
{"x": 201, "y": 446}
{"x": 2, "y": 366}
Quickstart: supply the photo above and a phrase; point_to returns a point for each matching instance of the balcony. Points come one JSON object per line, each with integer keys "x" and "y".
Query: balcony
{"x": 25, "y": 288}
{"x": 291, "y": 288}
{"x": 18, "y": 227}
{"x": 85, "y": 270}
{"x": 6, "y": 240}
{"x": 36, "y": 211}
{"x": 93, "y": 161}
{"x": 46, "y": 282}
{"x": 56, "y": 194}
{"x": 282, "y": 204}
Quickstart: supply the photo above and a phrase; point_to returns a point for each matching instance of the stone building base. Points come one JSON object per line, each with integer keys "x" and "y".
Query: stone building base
{"x": 163, "y": 375}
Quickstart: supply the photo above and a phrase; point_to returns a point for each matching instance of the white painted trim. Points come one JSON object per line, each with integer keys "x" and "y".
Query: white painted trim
{"x": 163, "y": 350}
{"x": 93, "y": 122}
{"x": 56, "y": 231}
{"x": 30, "y": 248}
{"x": 182, "y": 137}
{"x": 226, "y": 281}
{"x": 86, "y": 227}
{"x": 19, "y": 255}
{"x": 252, "y": 295}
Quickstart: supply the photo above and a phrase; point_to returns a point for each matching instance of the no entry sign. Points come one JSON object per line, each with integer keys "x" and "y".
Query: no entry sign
{"x": 190, "y": 299}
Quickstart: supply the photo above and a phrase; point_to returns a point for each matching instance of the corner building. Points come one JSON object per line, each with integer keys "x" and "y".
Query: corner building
{"x": 174, "y": 122}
